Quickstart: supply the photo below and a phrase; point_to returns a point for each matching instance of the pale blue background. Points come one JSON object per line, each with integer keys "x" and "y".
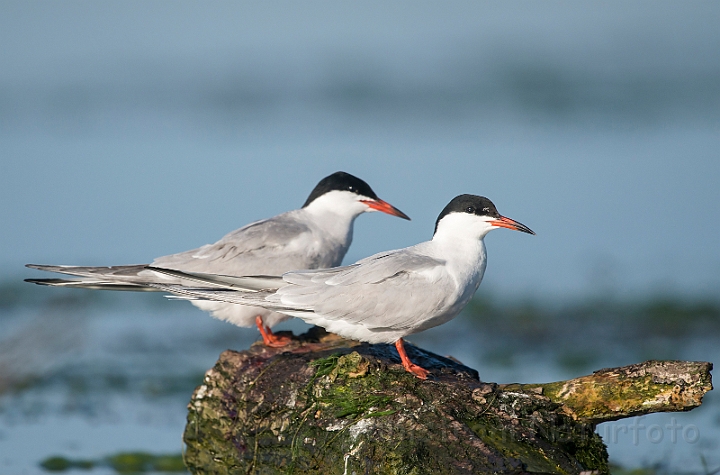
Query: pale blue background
{"x": 130, "y": 130}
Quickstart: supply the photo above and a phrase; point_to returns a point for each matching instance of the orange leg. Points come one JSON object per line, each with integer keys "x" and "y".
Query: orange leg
{"x": 269, "y": 338}
{"x": 409, "y": 366}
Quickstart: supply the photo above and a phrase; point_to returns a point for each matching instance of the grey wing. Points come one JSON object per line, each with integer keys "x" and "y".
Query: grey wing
{"x": 139, "y": 277}
{"x": 391, "y": 290}
{"x": 255, "y": 299}
{"x": 372, "y": 269}
{"x": 271, "y": 246}
{"x": 115, "y": 272}
{"x": 252, "y": 283}
{"x": 387, "y": 291}
{"x": 106, "y": 278}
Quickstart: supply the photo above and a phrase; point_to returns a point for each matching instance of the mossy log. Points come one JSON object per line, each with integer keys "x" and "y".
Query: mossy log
{"x": 325, "y": 405}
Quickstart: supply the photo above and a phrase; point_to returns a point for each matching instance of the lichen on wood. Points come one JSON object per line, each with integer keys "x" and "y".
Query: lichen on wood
{"x": 615, "y": 393}
{"x": 325, "y": 405}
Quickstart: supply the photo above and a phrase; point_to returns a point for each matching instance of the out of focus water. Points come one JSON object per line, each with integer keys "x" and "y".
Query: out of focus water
{"x": 85, "y": 377}
{"x": 131, "y": 130}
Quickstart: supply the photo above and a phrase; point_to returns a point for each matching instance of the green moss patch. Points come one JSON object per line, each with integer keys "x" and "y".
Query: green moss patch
{"x": 122, "y": 463}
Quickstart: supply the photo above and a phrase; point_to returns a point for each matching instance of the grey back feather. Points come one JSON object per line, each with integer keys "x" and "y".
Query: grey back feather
{"x": 382, "y": 291}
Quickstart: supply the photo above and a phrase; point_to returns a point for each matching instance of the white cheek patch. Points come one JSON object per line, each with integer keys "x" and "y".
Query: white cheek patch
{"x": 465, "y": 225}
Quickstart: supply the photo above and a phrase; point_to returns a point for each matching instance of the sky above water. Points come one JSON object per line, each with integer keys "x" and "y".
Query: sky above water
{"x": 130, "y": 130}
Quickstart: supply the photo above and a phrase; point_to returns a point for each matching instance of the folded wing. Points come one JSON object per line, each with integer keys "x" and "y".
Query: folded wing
{"x": 393, "y": 290}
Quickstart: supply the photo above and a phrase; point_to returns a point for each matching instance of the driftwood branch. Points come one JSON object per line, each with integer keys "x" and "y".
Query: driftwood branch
{"x": 615, "y": 393}
{"x": 324, "y": 405}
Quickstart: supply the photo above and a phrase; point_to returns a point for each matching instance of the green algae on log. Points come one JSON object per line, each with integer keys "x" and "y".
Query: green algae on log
{"x": 325, "y": 405}
{"x": 615, "y": 393}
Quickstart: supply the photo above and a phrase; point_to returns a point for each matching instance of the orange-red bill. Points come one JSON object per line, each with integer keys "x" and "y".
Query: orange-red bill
{"x": 504, "y": 222}
{"x": 385, "y": 207}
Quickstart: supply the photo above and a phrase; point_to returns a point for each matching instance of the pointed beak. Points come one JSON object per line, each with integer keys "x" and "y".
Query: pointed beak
{"x": 504, "y": 222}
{"x": 385, "y": 207}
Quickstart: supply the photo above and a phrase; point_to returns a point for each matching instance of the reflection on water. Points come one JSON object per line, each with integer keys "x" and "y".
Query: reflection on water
{"x": 123, "y": 385}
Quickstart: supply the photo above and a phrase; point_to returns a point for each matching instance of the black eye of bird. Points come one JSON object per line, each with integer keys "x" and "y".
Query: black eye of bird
{"x": 470, "y": 210}
{"x": 351, "y": 188}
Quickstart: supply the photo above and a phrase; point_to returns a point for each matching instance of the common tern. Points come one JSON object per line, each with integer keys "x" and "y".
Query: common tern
{"x": 315, "y": 236}
{"x": 382, "y": 298}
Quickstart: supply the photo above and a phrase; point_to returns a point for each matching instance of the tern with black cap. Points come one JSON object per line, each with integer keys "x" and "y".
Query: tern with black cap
{"x": 382, "y": 298}
{"x": 315, "y": 236}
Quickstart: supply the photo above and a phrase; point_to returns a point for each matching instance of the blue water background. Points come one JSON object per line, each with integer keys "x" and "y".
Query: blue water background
{"x": 130, "y": 130}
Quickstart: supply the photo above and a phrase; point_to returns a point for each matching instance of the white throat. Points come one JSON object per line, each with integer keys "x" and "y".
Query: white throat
{"x": 459, "y": 241}
{"x": 463, "y": 226}
{"x": 335, "y": 212}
